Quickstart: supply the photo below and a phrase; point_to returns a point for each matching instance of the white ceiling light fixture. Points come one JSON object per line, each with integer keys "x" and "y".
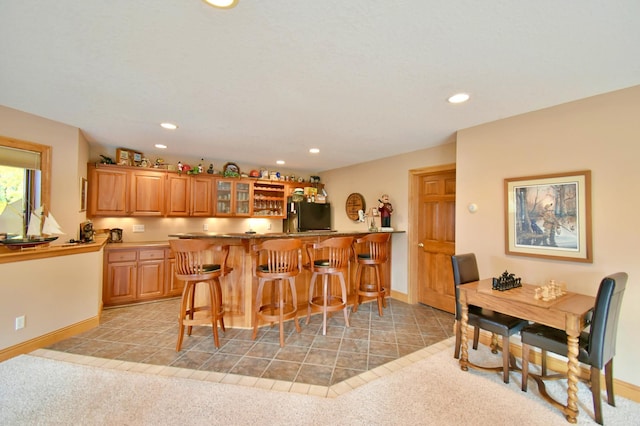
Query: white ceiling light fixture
{"x": 169, "y": 126}
{"x": 459, "y": 98}
{"x": 160, "y": 146}
{"x": 281, "y": 162}
{"x": 314, "y": 150}
{"x": 222, "y": 4}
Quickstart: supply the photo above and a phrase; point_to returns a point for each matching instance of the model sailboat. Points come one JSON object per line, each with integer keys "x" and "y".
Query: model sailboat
{"x": 39, "y": 231}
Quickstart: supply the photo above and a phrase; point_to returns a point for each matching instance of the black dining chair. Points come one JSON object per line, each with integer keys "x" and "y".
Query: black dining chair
{"x": 465, "y": 270}
{"x": 597, "y": 344}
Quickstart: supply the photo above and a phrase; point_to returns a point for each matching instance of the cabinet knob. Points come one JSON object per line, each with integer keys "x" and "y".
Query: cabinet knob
{"x": 420, "y": 245}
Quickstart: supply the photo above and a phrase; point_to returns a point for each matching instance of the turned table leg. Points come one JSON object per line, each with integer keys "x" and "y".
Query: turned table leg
{"x": 464, "y": 353}
{"x": 573, "y": 370}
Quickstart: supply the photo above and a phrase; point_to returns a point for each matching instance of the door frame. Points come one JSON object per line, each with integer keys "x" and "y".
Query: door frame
{"x": 413, "y": 239}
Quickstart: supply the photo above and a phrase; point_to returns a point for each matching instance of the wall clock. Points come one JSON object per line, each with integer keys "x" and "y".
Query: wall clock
{"x": 354, "y": 203}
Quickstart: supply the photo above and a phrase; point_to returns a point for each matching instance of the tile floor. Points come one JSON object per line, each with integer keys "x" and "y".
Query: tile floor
{"x": 147, "y": 334}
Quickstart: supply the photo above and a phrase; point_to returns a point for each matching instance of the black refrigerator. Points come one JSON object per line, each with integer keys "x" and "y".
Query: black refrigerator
{"x": 303, "y": 216}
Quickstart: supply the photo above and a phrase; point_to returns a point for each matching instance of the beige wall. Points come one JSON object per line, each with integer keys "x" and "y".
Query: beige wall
{"x": 62, "y": 291}
{"x": 601, "y": 134}
{"x": 387, "y": 176}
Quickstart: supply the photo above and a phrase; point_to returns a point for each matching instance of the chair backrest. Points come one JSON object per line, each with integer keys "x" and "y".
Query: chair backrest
{"x": 281, "y": 257}
{"x": 377, "y": 246}
{"x": 604, "y": 322}
{"x": 465, "y": 270}
{"x": 191, "y": 256}
{"x": 333, "y": 252}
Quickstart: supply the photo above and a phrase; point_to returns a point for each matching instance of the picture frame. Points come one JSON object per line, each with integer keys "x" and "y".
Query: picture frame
{"x": 123, "y": 157}
{"x": 231, "y": 170}
{"x": 549, "y": 216}
{"x": 84, "y": 186}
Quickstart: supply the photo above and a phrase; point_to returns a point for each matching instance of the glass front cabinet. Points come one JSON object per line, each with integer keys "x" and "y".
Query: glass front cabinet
{"x": 233, "y": 198}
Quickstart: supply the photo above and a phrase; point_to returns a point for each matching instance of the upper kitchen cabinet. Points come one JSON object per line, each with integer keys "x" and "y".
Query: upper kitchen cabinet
{"x": 147, "y": 193}
{"x": 189, "y": 195}
{"x": 108, "y": 191}
{"x": 269, "y": 199}
{"x": 125, "y": 191}
{"x": 233, "y": 198}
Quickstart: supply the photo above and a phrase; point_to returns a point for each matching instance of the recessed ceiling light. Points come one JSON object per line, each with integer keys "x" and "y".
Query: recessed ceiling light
{"x": 223, "y": 4}
{"x": 169, "y": 126}
{"x": 280, "y": 162}
{"x": 459, "y": 98}
{"x": 314, "y": 150}
{"x": 160, "y": 146}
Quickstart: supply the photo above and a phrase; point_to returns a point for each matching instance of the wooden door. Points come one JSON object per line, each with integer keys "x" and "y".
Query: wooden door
{"x": 436, "y": 239}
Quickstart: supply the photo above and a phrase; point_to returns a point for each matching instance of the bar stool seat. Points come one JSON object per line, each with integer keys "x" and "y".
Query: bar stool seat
{"x": 338, "y": 252}
{"x": 190, "y": 267}
{"x": 375, "y": 257}
{"x": 276, "y": 261}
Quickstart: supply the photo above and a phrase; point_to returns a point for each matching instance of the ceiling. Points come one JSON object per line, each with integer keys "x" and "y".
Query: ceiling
{"x": 269, "y": 79}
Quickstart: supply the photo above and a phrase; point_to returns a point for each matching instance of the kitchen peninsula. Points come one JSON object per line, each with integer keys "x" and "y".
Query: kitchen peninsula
{"x": 238, "y": 287}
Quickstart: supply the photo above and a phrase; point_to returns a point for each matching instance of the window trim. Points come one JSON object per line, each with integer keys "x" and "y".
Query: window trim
{"x": 45, "y": 165}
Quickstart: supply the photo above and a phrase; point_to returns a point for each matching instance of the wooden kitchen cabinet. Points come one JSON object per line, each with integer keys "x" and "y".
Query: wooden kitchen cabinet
{"x": 134, "y": 275}
{"x": 125, "y": 191}
{"x": 147, "y": 193}
{"x": 189, "y": 195}
{"x": 108, "y": 191}
{"x": 233, "y": 198}
{"x": 269, "y": 199}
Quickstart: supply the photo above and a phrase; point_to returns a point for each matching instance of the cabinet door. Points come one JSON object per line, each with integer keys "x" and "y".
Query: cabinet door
{"x": 201, "y": 196}
{"x": 178, "y": 195}
{"x": 242, "y": 193}
{"x": 173, "y": 286}
{"x": 120, "y": 286}
{"x": 147, "y": 193}
{"x": 224, "y": 197}
{"x": 107, "y": 192}
{"x": 150, "y": 284}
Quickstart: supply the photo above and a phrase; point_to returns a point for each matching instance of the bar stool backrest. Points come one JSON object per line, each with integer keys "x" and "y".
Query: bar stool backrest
{"x": 191, "y": 256}
{"x": 333, "y": 253}
{"x": 282, "y": 257}
{"x": 378, "y": 247}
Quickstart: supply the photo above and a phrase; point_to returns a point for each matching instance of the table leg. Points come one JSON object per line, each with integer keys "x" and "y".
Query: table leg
{"x": 573, "y": 370}
{"x": 464, "y": 350}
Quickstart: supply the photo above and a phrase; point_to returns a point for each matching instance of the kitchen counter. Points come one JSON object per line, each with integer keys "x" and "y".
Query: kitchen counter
{"x": 252, "y": 236}
{"x": 239, "y": 286}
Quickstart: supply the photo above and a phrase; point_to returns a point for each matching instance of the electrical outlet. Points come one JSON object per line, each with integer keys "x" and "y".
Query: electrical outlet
{"x": 138, "y": 228}
{"x": 205, "y": 227}
{"x": 20, "y": 322}
{"x": 268, "y": 227}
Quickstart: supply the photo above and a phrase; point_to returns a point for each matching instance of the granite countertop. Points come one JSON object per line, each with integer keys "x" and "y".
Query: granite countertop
{"x": 250, "y": 236}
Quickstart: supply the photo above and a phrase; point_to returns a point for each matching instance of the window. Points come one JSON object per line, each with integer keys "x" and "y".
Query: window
{"x": 24, "y": 183}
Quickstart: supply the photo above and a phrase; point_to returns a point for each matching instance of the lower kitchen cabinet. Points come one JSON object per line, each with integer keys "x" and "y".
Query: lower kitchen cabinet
{"x": 136, "y": 274}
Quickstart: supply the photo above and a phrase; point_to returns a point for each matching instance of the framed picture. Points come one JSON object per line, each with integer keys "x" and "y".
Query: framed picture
{"x": 83, "y": 194}
{"x": 137, "y": 158}
{"x": 122, "y": 157}
{"x": 231, "y": 170}
{"x": 549, "y": 216}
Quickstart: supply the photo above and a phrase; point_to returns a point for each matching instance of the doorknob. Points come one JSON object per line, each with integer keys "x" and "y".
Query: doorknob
{"x": 420, "y": 245}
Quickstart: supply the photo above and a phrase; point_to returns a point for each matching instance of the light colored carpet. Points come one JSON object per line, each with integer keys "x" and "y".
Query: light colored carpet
{"x": 432, "y": 391}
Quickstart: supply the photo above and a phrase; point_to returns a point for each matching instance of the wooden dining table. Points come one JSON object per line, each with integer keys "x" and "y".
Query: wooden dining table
{"x": 567, "y": 312}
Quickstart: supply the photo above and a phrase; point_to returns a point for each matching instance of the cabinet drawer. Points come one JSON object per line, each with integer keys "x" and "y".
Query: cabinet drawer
{"x": 151, "y": 254}
{"x": 122, "y": 256}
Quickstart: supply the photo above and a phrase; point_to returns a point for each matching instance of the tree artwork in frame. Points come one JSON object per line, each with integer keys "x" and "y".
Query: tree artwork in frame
{"x": 549, "y": 216}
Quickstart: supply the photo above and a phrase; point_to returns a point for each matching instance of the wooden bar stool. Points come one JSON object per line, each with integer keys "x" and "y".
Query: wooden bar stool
{"x": 276, "y": 261}
{"x": 190, "y": 267}
{"x": 327, "y": 258}
{"x": 376, "y": 256}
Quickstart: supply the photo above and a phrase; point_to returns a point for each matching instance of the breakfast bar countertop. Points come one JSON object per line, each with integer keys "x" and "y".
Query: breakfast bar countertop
{"x": 251, "y": 235}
